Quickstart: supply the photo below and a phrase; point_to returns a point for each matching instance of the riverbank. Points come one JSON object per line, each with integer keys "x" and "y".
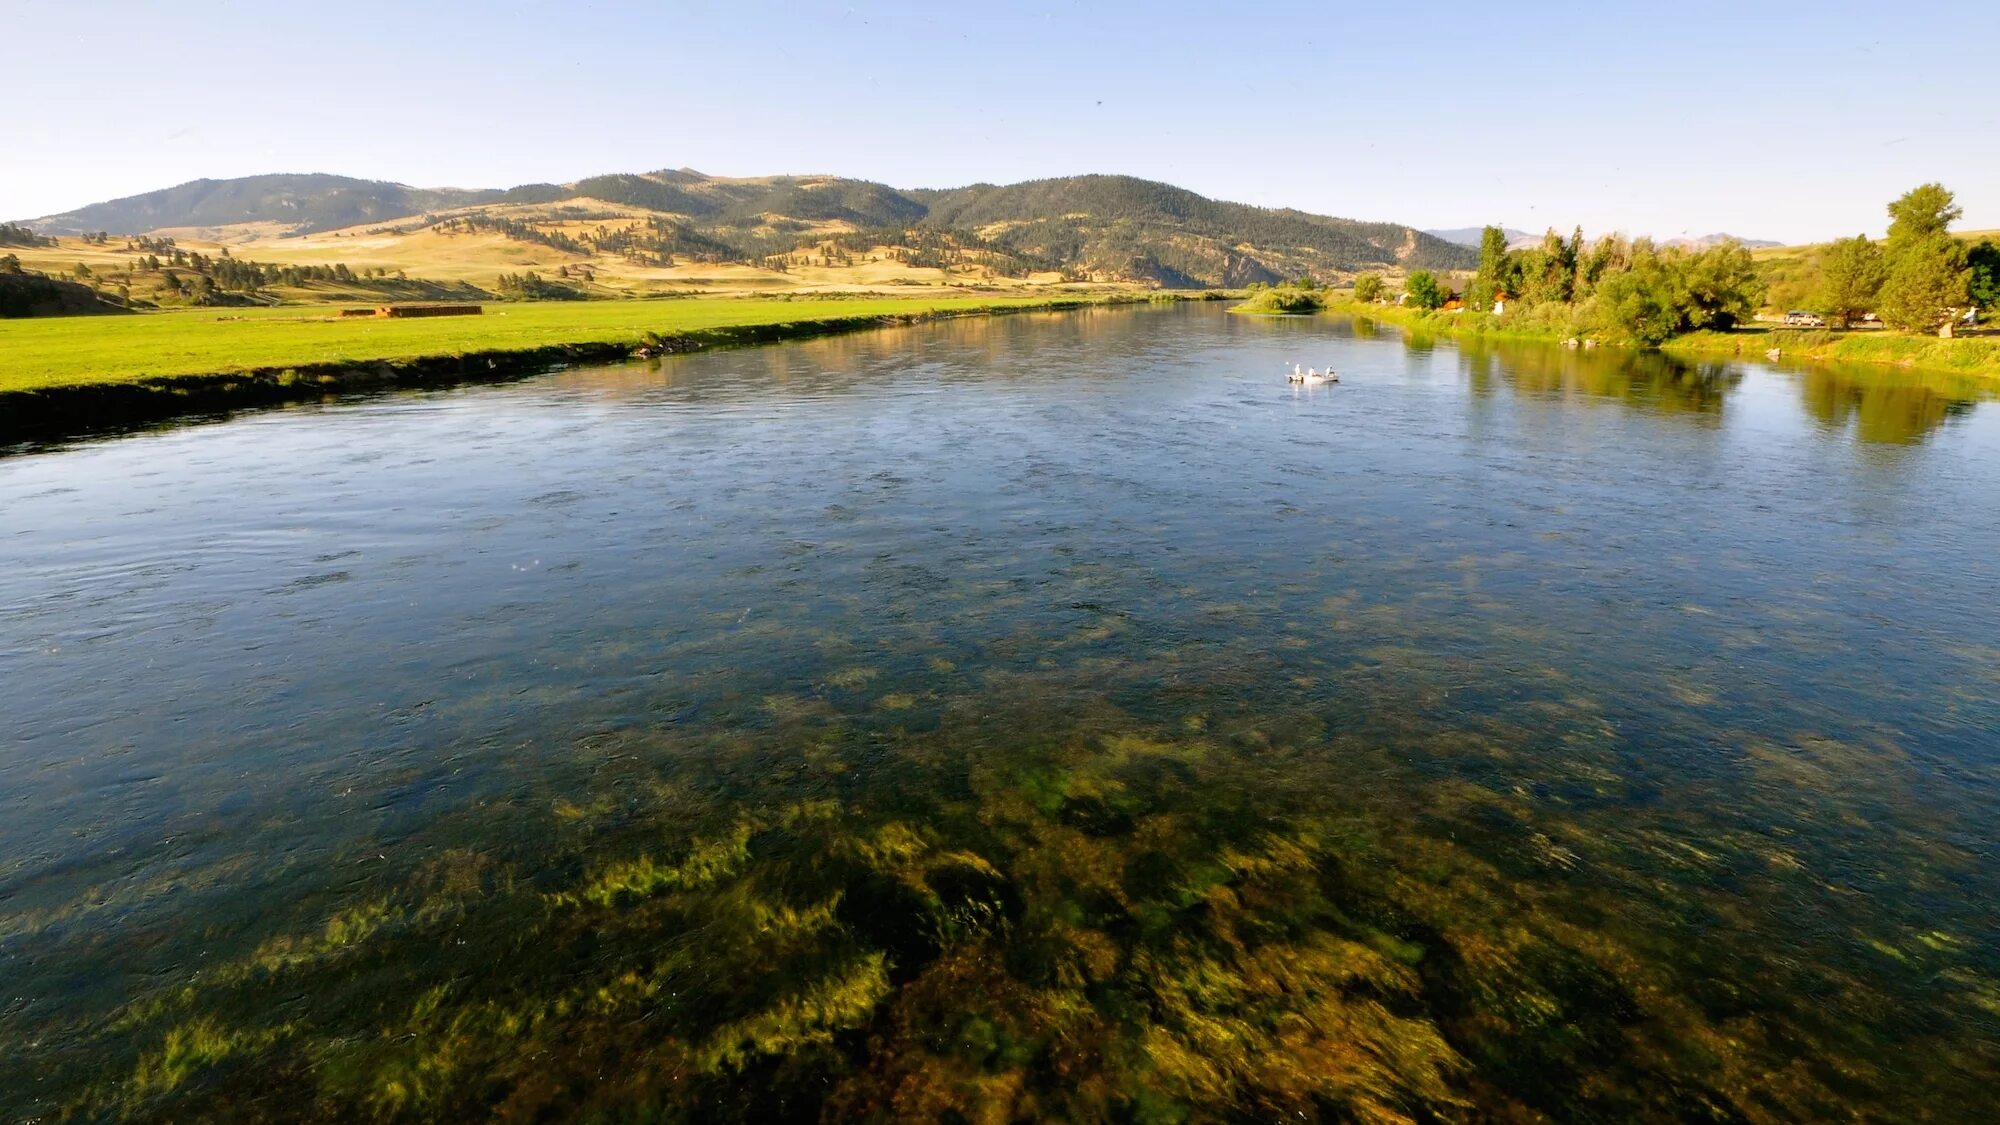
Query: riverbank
{"x": 73, "y": 376}
{"x": 1975, "y": 356}
{"x": 1972, "y": 356}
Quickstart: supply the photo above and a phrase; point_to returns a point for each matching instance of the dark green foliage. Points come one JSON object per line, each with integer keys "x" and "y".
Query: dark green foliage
{"x": 1984, "y": 261}
{"x": 1491, "y": 280}
{"x": 1666, "y": 293}
{"x": 531, "y": 286}
{"x": 1606, "y": 256}
{"x": 1852, "y": 271}
{"x": 510, "y": 228}
{"x": 1718, "y": 286}
{"x": 1425, "y": 291}
{"x": 32, "y": 294}
{"x": 643, "y": 191}
{"x": 1284, "y": 299}
{"x": 14, "y": 234}
{"x": 1640, "y": 304}
{"x": 659, "y": 242}
{"x": 1922, "y": 213}
{"x": 1928, "y": 280}
{"x": 1928, "y": 276}
{"x": 534, "y": 193}
{"x": 1548, "y": 275}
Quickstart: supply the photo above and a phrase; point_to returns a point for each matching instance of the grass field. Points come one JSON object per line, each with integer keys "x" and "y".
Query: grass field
{"x": 72, "y": 351}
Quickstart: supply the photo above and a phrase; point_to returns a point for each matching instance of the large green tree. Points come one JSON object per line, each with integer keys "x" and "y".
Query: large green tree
{"x": 1641, "y": 304}
{"x": 1608, "y": 255}
{"x": 1368, "y": 287}
{"x": 1667, "y": 292}
{"x": 1490, "y": 280}
{"x": 1424, "y": 290}
{"x": 1550, "y": 273}
{"x": 1718, "y": 287}
{"x": 1851, "y": 273}
{"x": 1921, "y": 213}
{"x": 1928, "y": 279}
{"x": 1928, "y": 283}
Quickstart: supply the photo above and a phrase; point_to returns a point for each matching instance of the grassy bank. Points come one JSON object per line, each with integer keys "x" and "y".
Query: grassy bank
{"x": 1973, "y": 356}
{"x": 1976, "y": 356}
{"x": 1282, "y": 302}
{"x": 61, "y": 377}
{"x": 69, "y": 351}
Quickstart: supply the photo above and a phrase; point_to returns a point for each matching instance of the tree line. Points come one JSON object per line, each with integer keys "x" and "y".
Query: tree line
{"x": 656, "y": 242}
{"x": 14, "y": 234}
{"x": 1919, "y": 279}
{"x": 203, "y": 279}
{"x": 1633, "y": 289}
{"x": 531, "y": 286}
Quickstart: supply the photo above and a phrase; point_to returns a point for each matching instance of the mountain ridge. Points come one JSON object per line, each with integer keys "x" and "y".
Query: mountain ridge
{"x": 1108, "y": 225}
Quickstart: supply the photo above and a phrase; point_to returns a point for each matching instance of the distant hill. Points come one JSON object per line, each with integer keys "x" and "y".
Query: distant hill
{"x": 1470, "y": 236}
{"x": 306, "y": 202}
{"x": 1520, "y": 239}
{"x": 1171, "y": 235}
{"x": 1102, "y": 227}
{"x": 1703, "y": 242}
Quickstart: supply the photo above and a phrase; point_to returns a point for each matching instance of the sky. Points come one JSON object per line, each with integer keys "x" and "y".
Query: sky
{"x": 1793, "y": 122}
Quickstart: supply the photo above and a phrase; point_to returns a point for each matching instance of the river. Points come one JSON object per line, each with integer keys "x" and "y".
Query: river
{"x": 1042, "y": 716}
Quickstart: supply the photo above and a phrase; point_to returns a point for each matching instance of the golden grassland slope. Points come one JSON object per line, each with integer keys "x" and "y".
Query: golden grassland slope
{"x": 426, "y": 252}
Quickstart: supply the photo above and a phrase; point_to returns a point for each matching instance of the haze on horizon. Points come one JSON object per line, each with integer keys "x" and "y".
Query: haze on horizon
{"x": 1766, "y": 121}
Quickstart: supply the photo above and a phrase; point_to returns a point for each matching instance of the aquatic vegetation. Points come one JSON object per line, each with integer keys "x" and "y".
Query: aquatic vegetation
{"x": 1099, "y": 920}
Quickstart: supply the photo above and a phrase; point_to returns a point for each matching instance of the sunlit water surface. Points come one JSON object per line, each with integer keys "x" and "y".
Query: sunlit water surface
{"x": 1053, "y": 716}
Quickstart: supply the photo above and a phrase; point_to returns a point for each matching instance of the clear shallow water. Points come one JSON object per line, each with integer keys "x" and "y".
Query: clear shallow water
{"x": 1045, "y": 716}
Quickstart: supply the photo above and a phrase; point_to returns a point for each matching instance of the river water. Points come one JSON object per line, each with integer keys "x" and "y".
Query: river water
{"x": 1047, "y": 716}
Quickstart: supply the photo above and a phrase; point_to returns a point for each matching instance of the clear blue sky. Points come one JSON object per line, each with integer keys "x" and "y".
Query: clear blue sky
{"x": 1787, "y": 121}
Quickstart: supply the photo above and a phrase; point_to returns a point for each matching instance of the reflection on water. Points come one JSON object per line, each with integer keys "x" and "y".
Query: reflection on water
{"x": 1653, "y": 380}
{"x": 1886, "y": 407}
{"x": 1048, "y": 717}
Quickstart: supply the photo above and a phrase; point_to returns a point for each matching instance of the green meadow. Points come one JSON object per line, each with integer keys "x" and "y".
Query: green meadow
{"x": 73, "y": 351}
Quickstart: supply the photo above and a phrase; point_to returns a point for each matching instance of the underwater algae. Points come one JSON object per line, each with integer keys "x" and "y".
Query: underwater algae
{"x": 1019, "y": 915}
